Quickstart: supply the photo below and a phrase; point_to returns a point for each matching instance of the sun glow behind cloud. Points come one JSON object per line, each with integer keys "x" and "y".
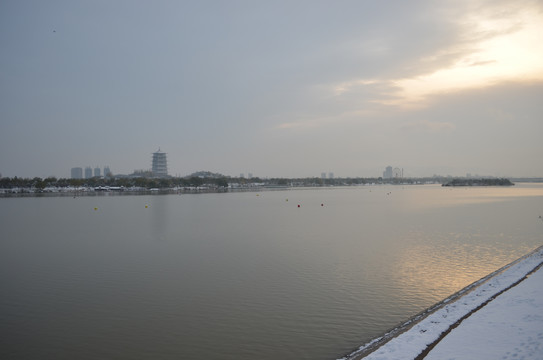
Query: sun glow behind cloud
{"x": 506, "y": 50}
{"x": 495, "y": 45}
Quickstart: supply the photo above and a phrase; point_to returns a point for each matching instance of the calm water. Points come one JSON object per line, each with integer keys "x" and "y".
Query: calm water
{"x": 245, "y": 275}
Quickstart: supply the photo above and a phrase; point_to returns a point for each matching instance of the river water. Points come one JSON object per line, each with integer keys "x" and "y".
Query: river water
{"x": 245, "y": 275}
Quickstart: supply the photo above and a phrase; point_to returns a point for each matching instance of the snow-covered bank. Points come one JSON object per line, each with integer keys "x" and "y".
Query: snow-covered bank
{"x": 509, "y": 327}
{"x": 430, "y": 329}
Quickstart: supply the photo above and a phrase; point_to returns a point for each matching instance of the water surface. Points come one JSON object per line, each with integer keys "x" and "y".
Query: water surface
{"x": 245, "y": 275}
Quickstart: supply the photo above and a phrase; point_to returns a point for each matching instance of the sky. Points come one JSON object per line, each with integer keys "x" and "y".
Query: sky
{"x": 272, "y": 88}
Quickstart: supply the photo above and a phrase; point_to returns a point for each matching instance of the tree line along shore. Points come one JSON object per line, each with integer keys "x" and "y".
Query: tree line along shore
{"x": 214, "y": 182}
{"x": 479, "y": 182}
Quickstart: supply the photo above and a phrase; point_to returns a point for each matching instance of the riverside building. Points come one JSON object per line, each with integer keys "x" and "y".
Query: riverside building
{"x": 88, "y": 172}
{"x": 77, "y": 173}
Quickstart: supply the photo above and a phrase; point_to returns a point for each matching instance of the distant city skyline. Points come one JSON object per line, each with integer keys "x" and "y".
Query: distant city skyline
{"x": 159, "y": 168}
{"x": 279, "y": 89}
{"x": 77, "y": 172}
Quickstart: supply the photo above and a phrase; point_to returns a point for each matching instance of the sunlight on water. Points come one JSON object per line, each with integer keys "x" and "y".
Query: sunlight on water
{"x": 421, "y": 198}
{"x": 436, "y": 271}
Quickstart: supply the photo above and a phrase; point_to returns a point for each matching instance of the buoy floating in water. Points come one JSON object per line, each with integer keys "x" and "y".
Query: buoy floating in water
{"x": 298, "y": 205}
{"x": 146, "y": 206}
{"x": 322, "y": 204}
{"x": 95, "y": 208}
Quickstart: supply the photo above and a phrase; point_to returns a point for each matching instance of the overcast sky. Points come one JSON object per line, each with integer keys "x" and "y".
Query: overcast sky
{"x": 272, "y": 88}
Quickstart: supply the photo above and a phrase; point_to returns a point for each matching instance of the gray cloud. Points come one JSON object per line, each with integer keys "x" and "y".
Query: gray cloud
{"x": 276, "y": 89}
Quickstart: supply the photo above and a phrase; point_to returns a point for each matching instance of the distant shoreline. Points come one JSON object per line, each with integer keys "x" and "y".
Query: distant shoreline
{"x": 120, "y": 191}
{"x": 479, "y": 182}
{"x": 128, "y": 192}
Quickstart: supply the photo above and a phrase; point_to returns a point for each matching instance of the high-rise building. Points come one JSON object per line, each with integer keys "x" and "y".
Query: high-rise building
{"x": 387, "y": 174}
{"x": 77, "y": 173}
{"x": 96, "y": 171}
{"x": 323, "y": 175}
{"x": 107, "y": 172}
{"x": 159, "y": 165}
{"x": 88, "y": 172}
{"x": 330, "y": 175}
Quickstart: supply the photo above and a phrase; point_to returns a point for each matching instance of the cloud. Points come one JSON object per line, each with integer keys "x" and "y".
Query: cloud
{"x": 428, "y": 126}
{"x": 391, "y": 79}
{"x": 502, "y": 49}
{"x": 308, "y": 122}
{"x": 499, "y": 44}
{"x": 500, "y": 116}
{"x": 348, "y": 86}
{"x": 481, "y": 63}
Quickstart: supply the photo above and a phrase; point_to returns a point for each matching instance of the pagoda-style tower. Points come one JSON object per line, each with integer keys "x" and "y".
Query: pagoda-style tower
{"x": 160, "y": 165}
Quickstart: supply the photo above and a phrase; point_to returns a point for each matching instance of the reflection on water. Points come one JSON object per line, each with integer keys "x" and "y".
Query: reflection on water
{"x": 159, "y": 219}
{"x": 420, "y": 198}
{"x": 436, "y": 265}
{"x": 240, "y": 276}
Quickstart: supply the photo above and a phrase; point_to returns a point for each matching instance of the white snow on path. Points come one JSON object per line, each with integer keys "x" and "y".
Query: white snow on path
{"x": 509, "y": 327}
{"x": 414, "y": 341}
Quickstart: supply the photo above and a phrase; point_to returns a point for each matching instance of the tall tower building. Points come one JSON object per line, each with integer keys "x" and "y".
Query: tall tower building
{"x": 107, "y": 172}
{"x": 96, "y": 171}
{"x": 160, "y": 165}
